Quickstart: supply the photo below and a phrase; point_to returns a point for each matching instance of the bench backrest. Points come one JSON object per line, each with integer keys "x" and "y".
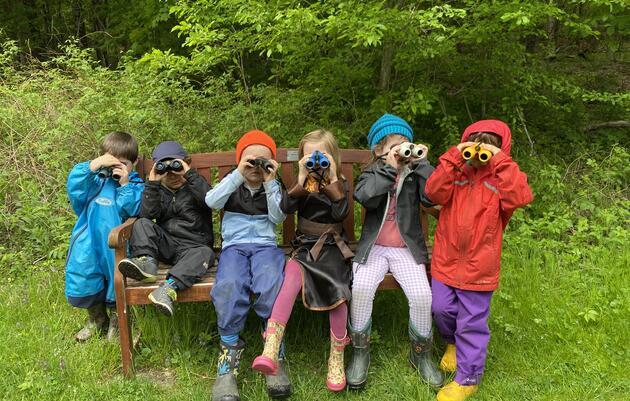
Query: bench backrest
{"x": 214, "y": 166}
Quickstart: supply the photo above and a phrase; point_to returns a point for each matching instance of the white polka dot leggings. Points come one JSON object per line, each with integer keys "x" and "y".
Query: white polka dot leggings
{"x": 411, "y": 276}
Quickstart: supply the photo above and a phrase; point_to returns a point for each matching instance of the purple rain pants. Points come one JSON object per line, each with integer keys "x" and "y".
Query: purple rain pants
{"x": 461, "y": 317}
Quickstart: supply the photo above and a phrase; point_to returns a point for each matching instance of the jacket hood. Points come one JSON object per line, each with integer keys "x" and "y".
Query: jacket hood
{"x": 493, "y": 126}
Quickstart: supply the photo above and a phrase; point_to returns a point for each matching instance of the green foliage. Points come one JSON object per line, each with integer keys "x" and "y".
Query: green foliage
{"x": 349, "y": 61}
{"x": 111, "y": 27}
{"x": 578, "y": 208}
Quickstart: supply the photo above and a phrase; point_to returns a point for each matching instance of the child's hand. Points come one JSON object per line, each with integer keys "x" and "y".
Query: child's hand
{"x": 123, "y": 173}
{"x": 244, "y": 164}
{"x": 392, "y": 157}
{"x": 464, "y": 145}
{"x": 491, "y": 148}
{"x": 332, "y": 169}
{"x": 107, "y": 160}
{"x": 154, "y": 176}
{"x": 271, "y": 175}
{"x": 303, "y": 171}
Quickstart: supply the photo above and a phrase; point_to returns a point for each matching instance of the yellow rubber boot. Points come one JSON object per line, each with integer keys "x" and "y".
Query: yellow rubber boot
{"x": 449, "y": 361}
{"x": 456, "y": 392}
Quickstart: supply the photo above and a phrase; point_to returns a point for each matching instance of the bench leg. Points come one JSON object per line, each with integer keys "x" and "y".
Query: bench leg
{"x": 124, "y": 319}
{"x": 126, "y": 340}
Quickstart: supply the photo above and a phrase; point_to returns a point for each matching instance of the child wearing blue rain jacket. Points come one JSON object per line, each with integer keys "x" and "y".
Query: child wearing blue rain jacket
{"x": 103, "y": 193}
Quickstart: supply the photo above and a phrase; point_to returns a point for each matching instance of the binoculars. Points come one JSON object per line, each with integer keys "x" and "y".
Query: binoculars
{"x": 261, "y": 162}
{"x": 106, "y": 172}
{"x": 408, "y": 150}
{"x": 165, "y": 166}
{"x": 317, "y": 159}
{"x": 473, "y": 151}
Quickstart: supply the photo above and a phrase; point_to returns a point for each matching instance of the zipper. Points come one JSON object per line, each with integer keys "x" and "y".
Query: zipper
{"x": 82, "y": 230}
{"x": 401, "y": 182}
{"x": 463, "y": 242}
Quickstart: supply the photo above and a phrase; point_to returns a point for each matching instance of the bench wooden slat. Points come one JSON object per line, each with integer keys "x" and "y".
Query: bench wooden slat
{"x": 137, "y": 293}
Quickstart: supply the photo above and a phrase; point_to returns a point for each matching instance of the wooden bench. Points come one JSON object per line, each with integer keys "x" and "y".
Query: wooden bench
{"x": 216, "y": 165}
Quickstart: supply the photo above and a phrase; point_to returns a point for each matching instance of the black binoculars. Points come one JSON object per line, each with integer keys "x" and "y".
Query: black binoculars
{"x": 106, "y": 172}
{"x": 165, "y": 166}
{"x": 261, "y": 162}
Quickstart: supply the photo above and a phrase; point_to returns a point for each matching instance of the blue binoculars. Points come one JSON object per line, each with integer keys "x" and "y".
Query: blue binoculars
{"x": 317, "y": 159}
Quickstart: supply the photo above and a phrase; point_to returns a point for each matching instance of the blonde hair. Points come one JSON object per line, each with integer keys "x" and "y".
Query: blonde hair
{"x": 377, "y": 151}
{"x": 326, "y": 137}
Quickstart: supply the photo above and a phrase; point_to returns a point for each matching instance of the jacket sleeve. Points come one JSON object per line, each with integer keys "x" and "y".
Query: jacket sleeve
{"x": 198, "y": 186}
{"x": 511, "y": 183}
{"x": 439, "y": 186}
{"x": 337, "y": 192}
{"x": 423, "y": 169}
{"x": 151, "y": 205}
{"x": 129, "y": 199}
{"x": 373, "y": 184}
{"x": 216, "y": 197}
{"x": 82, "y": 184}
{"x": 291, "y": 198}
{"x": 274, "y": 198}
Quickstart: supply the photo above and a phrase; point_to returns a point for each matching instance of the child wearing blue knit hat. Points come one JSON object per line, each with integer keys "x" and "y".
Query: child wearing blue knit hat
{"x": 389, "y": 124}
{"x": 391, "y": 189}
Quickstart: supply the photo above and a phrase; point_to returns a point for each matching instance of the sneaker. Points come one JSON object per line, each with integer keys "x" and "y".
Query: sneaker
{"x": 163, "y": 298}
{"x": 142, "y": 268}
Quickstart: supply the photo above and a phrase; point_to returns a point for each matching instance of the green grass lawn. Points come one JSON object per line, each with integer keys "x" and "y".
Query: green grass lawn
{"x": 560, "y": 331}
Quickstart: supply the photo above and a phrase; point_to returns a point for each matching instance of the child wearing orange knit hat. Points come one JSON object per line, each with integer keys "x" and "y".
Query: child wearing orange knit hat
{"x": 250, "y": 262}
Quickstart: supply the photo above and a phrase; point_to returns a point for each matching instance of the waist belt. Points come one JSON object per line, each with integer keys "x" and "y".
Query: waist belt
{"x": 310, "y": 227}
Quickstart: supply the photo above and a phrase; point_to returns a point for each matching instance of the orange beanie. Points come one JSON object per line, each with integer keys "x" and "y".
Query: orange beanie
{"x": 254, "y": 137}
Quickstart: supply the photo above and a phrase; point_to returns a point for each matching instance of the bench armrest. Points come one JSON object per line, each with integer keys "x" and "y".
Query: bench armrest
{"x": 119, "y": 235}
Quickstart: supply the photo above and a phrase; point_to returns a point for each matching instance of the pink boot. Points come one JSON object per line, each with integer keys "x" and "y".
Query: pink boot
{"x": 336, "y": 379}
{"x": 267, "y": 363}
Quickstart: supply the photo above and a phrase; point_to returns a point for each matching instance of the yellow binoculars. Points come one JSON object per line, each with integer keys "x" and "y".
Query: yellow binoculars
{"x": 473, "y": 151}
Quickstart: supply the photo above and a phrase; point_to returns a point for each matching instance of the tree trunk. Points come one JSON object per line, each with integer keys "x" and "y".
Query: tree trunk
{"x": 386, "y": 66}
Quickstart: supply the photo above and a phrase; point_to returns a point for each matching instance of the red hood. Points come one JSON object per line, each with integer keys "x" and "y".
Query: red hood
{"x": 494, "y": 126}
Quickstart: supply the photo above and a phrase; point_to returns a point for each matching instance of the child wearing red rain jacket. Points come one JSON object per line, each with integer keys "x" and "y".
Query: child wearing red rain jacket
{"x": 477, "y": 201}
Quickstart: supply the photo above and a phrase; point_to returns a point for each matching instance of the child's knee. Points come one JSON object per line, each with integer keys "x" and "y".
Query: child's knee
{"x": 362, "y": 292}
{"x": 142, "y": 224}
{"x": 442, "y": 309}
{"x": 420, "y": 300}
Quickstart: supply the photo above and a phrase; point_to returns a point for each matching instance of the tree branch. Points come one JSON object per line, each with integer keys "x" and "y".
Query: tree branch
{"x": 608, "y": 124}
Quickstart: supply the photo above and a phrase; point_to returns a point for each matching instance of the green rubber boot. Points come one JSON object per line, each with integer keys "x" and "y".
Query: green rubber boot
{"x": 357, "y": 370}
{"x": 96, "y": 325}
{"x": 420, "y": 358}
{"x": 113, "y": 333}
{"x": 279, "y": 386}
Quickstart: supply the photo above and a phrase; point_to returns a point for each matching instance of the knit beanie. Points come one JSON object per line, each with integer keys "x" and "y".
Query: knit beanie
{"x": 388, "y": 124}
{"x": 254, "y": 137}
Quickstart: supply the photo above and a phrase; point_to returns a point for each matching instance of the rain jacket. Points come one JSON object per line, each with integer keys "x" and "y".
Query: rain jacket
{"x": 477, "y": 204}
{"x": 101, "y": 204}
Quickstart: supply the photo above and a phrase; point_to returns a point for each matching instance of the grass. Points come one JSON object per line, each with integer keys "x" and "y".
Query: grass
{"x": 560, "y": 331}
